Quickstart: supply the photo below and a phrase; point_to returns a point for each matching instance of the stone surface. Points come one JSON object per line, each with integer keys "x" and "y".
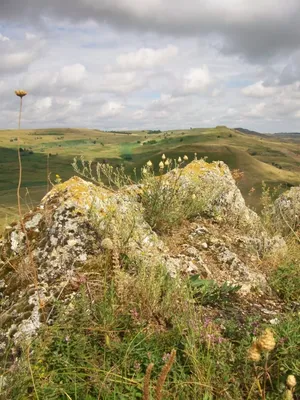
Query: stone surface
{"x": 286, "y": 212}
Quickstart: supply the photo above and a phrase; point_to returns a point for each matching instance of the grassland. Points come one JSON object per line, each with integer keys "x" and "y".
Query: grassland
{"x": 270, "y": 159}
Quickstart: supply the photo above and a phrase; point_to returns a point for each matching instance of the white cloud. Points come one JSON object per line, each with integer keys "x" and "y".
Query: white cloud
{"x": 44, "y": 104}
{"x": 257, "y": 111}
{"x": 139, "y": 115}
{"x": 110, "y": 109}
{"x": 197, "y": 80}
{"x": 4, "y": 38}
{"x": 72, "y": 74}
{"x": 119, "y": 82}
{"x": 147, "y": 57}
{"x": 259, "y": 90}
{"x": 102, "y": 75}
{"x": 165, "y": 101}
{"x": 30, "y": 36}
{"x": 15, "y": 61}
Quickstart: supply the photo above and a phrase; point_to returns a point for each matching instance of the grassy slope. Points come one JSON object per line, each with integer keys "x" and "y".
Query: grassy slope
{"x": 251, "y": 154}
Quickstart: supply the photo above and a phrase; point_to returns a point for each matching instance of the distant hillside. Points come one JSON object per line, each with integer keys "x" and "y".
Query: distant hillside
{"x": 280, "y": 134}
{"x": 288, "y": 134}
{"x": 249, "y": 132}
{"x": 272, "y": 159}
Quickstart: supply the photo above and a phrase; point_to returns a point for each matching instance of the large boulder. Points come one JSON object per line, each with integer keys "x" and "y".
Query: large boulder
{"x": 222, "y": 197}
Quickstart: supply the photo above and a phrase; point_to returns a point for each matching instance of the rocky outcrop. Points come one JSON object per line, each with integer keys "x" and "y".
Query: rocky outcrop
{"x": 222, "y": 197}
{"x": 44, "y": 258}
{"x": 286, "y": 212}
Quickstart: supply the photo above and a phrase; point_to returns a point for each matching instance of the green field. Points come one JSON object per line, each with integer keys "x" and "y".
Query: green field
{"x": 270, "y": 159}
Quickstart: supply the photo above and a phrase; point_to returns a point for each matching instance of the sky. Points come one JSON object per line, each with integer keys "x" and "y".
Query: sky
{"x": 151, "y": 64}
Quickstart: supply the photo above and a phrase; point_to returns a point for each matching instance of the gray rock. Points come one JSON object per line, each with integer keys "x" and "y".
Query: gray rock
{"x": 286, "y": 212}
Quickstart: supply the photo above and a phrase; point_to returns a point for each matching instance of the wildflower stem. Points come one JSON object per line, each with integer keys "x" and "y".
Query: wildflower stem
{"x": 20, "y": 181}
{"x": 20, "y": 112}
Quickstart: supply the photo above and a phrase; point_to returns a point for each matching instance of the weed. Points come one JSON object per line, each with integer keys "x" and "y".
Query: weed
{"x": 208, "y": 292}
{"x": 285, "y": 280}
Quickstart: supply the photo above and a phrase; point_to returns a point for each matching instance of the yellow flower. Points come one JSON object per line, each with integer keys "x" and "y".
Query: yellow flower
{"x": 179, "y": 159}
{"x": 253, "y": 353}
{"x": 149, "y": 164}
{"x": 266, "y": 341}
{"x": 185, "y": 158}
{"x": 161, "y": 165}
{"x": 163, "y": 157}
{"x": 20, "y": 93}
{"x": 291, "y": 381}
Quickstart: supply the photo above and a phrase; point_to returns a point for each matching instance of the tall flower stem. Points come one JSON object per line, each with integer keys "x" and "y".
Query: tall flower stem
{"x": 20, "y": 180}
{"x": 20, "y": 112}
{"x": 21, "y": 94}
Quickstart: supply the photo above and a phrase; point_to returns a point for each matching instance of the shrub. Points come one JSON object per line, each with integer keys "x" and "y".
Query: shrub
{"x": 166, "y": 201}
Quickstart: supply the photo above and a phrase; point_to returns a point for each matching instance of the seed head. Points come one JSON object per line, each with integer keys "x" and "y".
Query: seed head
{"x": 253, "y": 353}
{"x": 161, "y": 165}
{"x": 179, "y": 159}
{"x": 149, "y": 164}
{"x": 167, "y": 163}
{"x": 266, "y": 341}
{"x": 291, "y": 381}
{"x": 163, "y": 157}
{"x": 144, "y": 171}
{"x": 185, "y": 158}
{"x": 20, "y": 93}
{"x": 195, "y": 156}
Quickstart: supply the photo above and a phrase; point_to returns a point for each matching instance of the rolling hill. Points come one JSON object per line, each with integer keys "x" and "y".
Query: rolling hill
{"x": 51, "y": 151}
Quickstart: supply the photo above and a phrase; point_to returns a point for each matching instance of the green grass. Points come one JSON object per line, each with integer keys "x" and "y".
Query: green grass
{"x": 104, "y": 353}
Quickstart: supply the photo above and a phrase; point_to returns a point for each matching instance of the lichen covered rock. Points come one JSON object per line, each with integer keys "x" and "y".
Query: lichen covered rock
{"x": 45, "y": 257}
{"x": 286, "y": 212}
{"x": 222, "y": 197}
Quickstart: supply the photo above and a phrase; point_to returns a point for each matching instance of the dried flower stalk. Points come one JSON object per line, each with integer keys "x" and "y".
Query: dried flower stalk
{"x": 146, "y": 390}
{"x": 163, "y": 375}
